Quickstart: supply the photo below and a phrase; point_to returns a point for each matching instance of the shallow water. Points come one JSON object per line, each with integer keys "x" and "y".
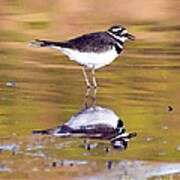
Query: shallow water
{"x": 41, "y": 88}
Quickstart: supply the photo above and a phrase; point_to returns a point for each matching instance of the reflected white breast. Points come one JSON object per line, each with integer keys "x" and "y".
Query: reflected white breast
{"x": 93, "y": 116}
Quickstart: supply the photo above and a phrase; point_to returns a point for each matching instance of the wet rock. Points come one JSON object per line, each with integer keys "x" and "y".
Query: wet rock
{"x": 71, "y": 164}
{"x": 95, "y": 153}
{"x": 59, "y": 146}
{"x": 91, "y": 146}
{"x": 85, "y": 141}
{"x": 38, "y": 154}
{"x": 170, "y": 108}
{"x": 35, "y": 169}
{"x": 82, "y": 162}
{"x": 126, "y": 173}
{"x": 62, "y": 162}
{"x": 148, "y": 139}
{"x": 162, "y": 153}
{"x": 165, "y": 127}
{"x": 13, "y": 152}
{"x": 54, "y": 164}
{"x": 52, "y": 140}
{"x": 137, "y": 163}
{"x": 4, "y": 168}
{"x": 107, "y": 149}
{"x": 109, "y": 164}
{"x": 10, "y": 84}
{"x": 86, "y": 154}
{"x": 47, "y": 170}
{"x": 14, "y": 134}
{"x": 20, "y": 142}
{"x": 44, "y": 163}
{"x": 47, "y": 157}
{"x": 9, "y": 147}
{"x": 124, "y": 163}
{"x": 28, "y": 147}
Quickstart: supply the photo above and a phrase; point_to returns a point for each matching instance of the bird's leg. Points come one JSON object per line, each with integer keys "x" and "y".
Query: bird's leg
{"x": 86, "y": 78}
{"x": 86, "y": 98}
{"x": 94, "y": 97}
{"x": 93, "y": 77}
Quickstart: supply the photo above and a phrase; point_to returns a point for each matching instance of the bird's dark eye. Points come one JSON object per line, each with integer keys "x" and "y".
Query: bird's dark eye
{"x": 125, "y": 35}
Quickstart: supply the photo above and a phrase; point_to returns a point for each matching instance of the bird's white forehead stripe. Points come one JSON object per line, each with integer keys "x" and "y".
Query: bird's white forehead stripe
{"x": 124, "y": 32}
{"x": 116, "y": 29}
{"x": 124, "y": 135}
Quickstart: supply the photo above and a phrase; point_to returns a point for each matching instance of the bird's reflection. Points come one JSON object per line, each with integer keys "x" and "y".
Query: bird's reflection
{"x": 95, "y": 122}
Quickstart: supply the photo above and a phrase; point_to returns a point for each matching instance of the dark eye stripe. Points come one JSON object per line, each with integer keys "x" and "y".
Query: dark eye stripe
{"x": 125, "y": 35}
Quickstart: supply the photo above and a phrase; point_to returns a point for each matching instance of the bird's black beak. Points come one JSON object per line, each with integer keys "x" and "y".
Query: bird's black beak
{"x": 130, "y": 36}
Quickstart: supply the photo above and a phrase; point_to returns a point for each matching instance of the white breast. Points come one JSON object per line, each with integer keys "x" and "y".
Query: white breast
{"x": 93, "y": 116}
{"x": 91, "y": 59}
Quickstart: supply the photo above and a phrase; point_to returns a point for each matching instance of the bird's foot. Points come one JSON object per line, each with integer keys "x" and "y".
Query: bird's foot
{"x": 95, "y": 87}
{"x": 88, "y": 86}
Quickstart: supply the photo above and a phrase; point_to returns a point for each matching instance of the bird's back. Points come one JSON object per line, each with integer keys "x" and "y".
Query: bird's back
{"x": 93, "y": 42}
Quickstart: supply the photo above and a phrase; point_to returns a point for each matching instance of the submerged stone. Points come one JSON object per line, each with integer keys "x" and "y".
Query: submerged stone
{"x": 170, "y": 108}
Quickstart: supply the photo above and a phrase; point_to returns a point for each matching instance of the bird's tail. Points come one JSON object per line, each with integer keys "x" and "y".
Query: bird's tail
{"x": 48, "y": 44}
{"x": 62, "y": 130}
{"x": 47, "y": 131}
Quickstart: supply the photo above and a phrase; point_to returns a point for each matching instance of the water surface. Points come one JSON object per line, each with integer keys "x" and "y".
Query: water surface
{"x": 41, "y": 88}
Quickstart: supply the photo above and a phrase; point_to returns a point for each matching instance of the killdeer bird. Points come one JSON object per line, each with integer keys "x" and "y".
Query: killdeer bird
{"x": 95, "y": 122}
{"x": 93, "y": 50}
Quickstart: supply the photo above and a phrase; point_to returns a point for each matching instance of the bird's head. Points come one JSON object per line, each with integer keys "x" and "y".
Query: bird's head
{"x": 120, "y": 33}
{"x": 120, "y": 141}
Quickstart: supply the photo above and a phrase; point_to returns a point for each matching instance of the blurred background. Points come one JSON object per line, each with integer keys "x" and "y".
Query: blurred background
{"x": 40, "y": 88}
